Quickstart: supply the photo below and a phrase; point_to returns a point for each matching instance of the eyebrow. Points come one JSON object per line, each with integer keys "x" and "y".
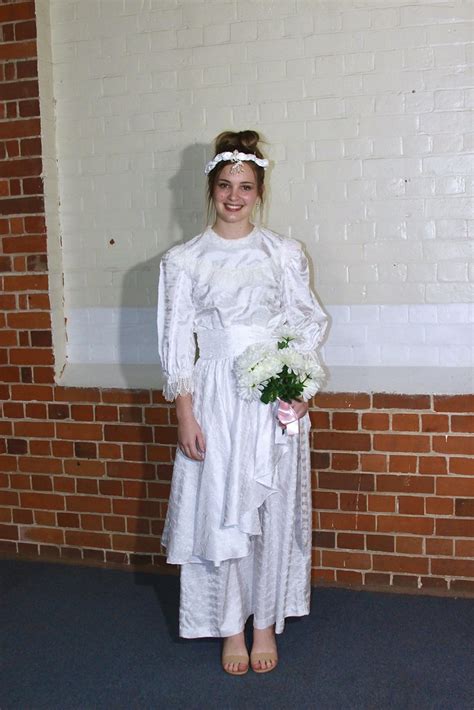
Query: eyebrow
{"x": 245, "y": 182}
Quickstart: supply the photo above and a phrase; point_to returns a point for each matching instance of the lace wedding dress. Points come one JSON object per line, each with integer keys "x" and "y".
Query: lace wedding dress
{"x": 239, "y": 521}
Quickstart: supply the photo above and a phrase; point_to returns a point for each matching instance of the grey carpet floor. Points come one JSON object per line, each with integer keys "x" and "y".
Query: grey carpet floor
{"x": 77, "y": 638}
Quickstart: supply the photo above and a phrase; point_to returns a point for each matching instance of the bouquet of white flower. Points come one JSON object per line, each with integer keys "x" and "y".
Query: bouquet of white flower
{"x": 277, "y": 371}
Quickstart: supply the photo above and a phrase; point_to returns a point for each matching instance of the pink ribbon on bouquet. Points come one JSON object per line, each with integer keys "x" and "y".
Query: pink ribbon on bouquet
{"x": 287, "y": 416}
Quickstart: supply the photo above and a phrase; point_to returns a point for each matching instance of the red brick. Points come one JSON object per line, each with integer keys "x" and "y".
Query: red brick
{"x": 341, "y": 441}
{"x": 434, "y": 422}
{"x": 380, "y": 543}
{"x": 404, "y": 484}
{"x": 39, "y": 393}
{"x": 434, "y": 465}
{"x": 439, "y": 506}
{"x": 8, "y": 532}
{"x": 76, "y": 394}
{"x": 114, "y": 523}
{"x": 135, "y": 452}
{"x": 401, "y": 442}
{"x": 353, "y": 501}
{"x": 106, "y": 413}
{"x": 82, "y": 412}
{"x": 88, "y": 504}
{"x": 405, "y": 422}
{"x": 157, "y": 415}
{"x": 463, "y": 466}
{"x": 54, "y": 536}
{"x": 127, "y": 432}
{"x": 454, "y": 486}
{"x": 373, "y": 462}
{"x": 402, "y": 464}
{"x": 37, "y": 282}
{"x": 17, "y": 11}
{"x": 127, "y": 469}
{"x": 110, "y": 451}
{"x": 323, "y": 499}
{"x": 324, "y": 538}
{"x": 319, "y": 420}
{"x": 91, "y": 522}
{"x": 85, "y": 432}
{"x": 411, "y": 505}
{"x": 464, "y": 548}
{"x": 346, "y": 521}
{"x": 136, "y": 543}
{"x": 464, "y": 507}
{"x": 83, "y": 539}
{"x": 319, "y": 460}
{"x": 454, "y": 445}
{"x": 345, "y": 421}
{"x": 346, "y": 481}
{"x": 160, "y": 453}
{"x": 349, "y": 577}
{"x": 30, "y": 464}
{"x": 406, "y": 545}
{"x": 45, "y": 501}
{"x": 454, "y": 403}
{"x": 326, "y": 400}
{"x": 41, "y": 430}
{"x": 375, "y": 421}
{"x": 126, "y": 397}
{"x": 110, "y": 488}
{"x": 344, "y": 462}
{"x": 439, "y": 546}
{"x": 401, "y": 401}
{"x": 462, "y": 423}
{"x": 350, "y": 541}
{"x": 135, "y": 507}
{"x": 351, "y": 560}
{"x": 84, "y": 467}
{"x": 405, "y": 524}
{"x": 452, "y": 568}
{"x": 381, "y": 504}
{"x": 454, "y": 527}
{"x": 397, "y": 563}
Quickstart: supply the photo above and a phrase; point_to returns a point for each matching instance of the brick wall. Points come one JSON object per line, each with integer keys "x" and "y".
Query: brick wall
{"x": 84, "y": 473}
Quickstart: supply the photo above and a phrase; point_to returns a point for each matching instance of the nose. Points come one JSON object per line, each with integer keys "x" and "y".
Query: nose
{"x": 234, "y": 191}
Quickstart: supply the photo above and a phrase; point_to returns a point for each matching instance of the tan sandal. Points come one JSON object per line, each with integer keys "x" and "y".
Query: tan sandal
{"x": 232, "y": 658}
{"x": 264, "y": 656}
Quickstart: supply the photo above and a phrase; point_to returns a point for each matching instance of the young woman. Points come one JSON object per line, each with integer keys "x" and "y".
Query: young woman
{"x": 239, "y": 515}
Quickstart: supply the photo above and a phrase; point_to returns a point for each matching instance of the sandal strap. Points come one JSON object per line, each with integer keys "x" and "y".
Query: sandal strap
{"x": 232, "y": 658}
{"x": 268, "y": 656}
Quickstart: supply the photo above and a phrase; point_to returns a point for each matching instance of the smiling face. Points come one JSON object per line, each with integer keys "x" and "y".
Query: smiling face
{"x": 234, "y": 198}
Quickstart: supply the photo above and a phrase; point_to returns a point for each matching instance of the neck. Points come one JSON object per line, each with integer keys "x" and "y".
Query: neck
{"x": 232, "y": 231}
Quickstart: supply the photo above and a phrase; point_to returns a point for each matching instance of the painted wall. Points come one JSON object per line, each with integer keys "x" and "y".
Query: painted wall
{"x": 366, "y": 109}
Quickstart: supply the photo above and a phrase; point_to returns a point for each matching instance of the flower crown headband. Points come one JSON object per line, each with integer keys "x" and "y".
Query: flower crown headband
{"x": 236, "y": 158}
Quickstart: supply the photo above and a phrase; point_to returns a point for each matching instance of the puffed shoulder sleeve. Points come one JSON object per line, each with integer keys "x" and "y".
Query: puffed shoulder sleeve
{"x": 303, "y": 312}
{"x": 175, "y": 323}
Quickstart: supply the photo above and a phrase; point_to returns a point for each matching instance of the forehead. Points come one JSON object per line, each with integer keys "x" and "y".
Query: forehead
{"x": 246, "y": 175}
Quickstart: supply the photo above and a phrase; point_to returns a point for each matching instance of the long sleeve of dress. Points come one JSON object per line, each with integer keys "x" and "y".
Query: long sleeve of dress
{"x": 175, "y": 322}
{"x": 303, "y": 312}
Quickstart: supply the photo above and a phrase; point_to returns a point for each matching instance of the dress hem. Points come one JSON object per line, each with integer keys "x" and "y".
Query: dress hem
{"x": 279, "y": 626}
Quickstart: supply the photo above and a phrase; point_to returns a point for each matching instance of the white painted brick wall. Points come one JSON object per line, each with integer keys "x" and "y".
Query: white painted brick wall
{"x": 366, "y": 107}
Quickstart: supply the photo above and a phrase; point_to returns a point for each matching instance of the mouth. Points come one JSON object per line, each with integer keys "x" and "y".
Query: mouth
{"x": 233, "y": 208}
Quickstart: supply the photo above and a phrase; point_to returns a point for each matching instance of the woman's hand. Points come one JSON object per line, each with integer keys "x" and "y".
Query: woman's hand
{"x": 300, "y": 407}
{"x": 190, "y": 437}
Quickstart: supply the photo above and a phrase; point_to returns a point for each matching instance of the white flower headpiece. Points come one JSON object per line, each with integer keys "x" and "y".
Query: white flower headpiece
{"x": 237, "y": 159}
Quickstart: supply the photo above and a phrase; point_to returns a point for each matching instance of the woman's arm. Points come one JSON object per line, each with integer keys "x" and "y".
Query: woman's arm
{"x": 190, "y": 437}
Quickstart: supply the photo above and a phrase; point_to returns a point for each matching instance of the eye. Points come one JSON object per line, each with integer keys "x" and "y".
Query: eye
{"x": 247, "y": 187}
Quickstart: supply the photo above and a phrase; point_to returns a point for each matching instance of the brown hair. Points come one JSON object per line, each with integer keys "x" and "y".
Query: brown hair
{"x": 244, "y": 142}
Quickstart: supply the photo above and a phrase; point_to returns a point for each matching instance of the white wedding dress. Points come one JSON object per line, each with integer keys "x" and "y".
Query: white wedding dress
{"x": 239, "y": 521}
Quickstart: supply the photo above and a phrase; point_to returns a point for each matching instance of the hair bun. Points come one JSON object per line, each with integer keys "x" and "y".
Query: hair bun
{"x": 243, "y": 141}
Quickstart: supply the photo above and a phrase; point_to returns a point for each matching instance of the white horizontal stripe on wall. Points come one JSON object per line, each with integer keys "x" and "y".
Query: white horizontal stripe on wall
{"x": 431, "y": 335}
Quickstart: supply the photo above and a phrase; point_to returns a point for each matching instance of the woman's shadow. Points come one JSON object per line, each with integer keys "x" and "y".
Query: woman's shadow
{"x": 142, "y": 379}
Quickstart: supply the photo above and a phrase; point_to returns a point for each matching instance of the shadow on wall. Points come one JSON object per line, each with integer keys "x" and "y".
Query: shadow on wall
{"x": 182, "y": 197}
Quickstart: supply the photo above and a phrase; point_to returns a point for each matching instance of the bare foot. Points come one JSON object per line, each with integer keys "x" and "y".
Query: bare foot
{"x": 235, "y": 646}
{"x": 264, "y": 641}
